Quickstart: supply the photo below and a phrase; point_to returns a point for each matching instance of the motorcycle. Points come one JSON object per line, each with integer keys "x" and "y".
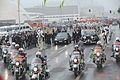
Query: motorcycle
{"x": 98, "y": 60}
{"x": 116, "y": 54}
{"x": 38, "y": 71}
{"x": 98, "y": 57}
{"x": 116, "y": 51}
{"x": 18, "y": 68}
{"x": 76, "y": 63}
{"x": 6, "y": 56}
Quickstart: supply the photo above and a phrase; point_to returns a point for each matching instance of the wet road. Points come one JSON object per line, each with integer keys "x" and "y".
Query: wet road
{"x": 58, "y": 57}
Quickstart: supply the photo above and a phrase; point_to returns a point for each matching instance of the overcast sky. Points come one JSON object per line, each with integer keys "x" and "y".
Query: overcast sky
{"x": 107, "y": 4}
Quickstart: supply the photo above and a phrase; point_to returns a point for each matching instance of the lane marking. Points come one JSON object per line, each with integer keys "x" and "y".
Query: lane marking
{"x": 79, "y": 76}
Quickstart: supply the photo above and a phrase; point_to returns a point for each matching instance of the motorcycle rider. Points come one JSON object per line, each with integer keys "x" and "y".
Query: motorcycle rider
{"x": 117, "y": 42}
{"x": 76, "y": 48}
{"x": 39, "y": 55}
{"x": 12, "y": 46}
{"x": 21, "y": 52}
{"x": 22, "y": 55}
{"x": 8, "y": 43}
{"x": 17, "y": 46}
{"x": 99, "y": 44}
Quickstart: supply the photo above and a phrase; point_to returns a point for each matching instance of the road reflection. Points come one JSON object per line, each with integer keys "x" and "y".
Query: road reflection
{"x": 56, "y": 47}
{"x": 6, "y": 74}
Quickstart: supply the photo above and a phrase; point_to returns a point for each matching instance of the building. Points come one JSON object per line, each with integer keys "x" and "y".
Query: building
{"x": 54, "y": 13}
{"x": 9, "y": 13}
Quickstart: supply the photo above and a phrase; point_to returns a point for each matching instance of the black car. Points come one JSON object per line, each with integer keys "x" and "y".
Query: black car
{"x": 89, "y": 36}
{"x": 62, "y": 37}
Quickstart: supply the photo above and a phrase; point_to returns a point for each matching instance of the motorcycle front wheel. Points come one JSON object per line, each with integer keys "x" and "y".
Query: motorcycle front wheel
{"x": 16, "y": 76}
{"x": 99, "y": 66}
{"x": 4, "y": 60}
{"x": 75, "y": 72}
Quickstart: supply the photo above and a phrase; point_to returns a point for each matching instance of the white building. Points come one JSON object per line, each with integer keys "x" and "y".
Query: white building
{"x": 9, "y": 12}
{"x": 55, "y": 13}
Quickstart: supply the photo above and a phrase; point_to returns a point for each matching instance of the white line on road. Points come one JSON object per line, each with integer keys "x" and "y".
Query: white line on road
{"x": 78, "y": 77}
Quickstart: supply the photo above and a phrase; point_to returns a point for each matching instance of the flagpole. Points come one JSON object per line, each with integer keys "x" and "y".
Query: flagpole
{"x": 19, "y": 23}
{"x": 61, "y": 16}
{"x": 78, "y": 8}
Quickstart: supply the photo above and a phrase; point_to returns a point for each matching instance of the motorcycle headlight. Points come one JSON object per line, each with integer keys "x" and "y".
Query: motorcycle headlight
{"x": 55, "y": 39}
{"x": 65, "y": 39}
{"x": 75, "y": 60}
{"x": 116, "y": 49}
{"x": 75, "y": 66}
{"x": 84, "y": 37}
{"x": 5, "y": 52}
{"x": 11, "y": 53}
{"x": 17, "y": 63}
{"x": 35, "y": 69}
{"x": 116, "y": 53}
{"x": 98, "y": 54}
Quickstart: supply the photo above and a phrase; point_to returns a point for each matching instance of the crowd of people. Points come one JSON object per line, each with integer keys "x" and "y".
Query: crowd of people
{"x": 26, "y": 39}
{"x": 29, "y": 39}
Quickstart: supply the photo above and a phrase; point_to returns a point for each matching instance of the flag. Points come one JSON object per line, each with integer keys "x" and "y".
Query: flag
{"x": 62, "y": 4}
{"x": 18, "y": 3}
{"x": 45, "y": 1}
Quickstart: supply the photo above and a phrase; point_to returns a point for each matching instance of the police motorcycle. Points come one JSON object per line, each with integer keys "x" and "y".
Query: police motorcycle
{"x": 98, "y": 57}
{"x": 18, "y": 67}
{"x": 6, "y": 56}
{"x": 116, "y": 52}
{"x": 76, "y": 63}
{"x": 37, "y": 70}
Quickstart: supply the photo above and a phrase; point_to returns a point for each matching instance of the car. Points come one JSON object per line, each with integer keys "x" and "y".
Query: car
{"x": 114, "y": 23}
{"x": 62, "y": 37}
{"x": 89, "y": 36}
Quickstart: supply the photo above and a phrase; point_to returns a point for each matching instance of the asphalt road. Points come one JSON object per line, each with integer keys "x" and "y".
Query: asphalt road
{"x": 58, "y": 57}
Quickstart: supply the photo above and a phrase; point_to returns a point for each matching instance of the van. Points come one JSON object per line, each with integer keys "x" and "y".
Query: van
{"x": 14, "y": 29}
{"x": 23, "y": 28}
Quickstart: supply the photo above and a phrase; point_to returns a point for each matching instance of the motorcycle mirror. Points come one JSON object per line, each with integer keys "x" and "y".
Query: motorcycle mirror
{"x": 45, "y": 56}
{"x": 27, "y": 67}
{"x": 92, "y": 49}
{"x": 103, "y": 49}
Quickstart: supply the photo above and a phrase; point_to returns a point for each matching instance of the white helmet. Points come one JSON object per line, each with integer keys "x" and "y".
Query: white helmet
{"x": 99, "y": 42}
{"x": 76, "y": 46}
{"x": 38, "y": 53}
{"x": 21, "y": 49}
{"x": 13, "y": 43}
{"x": 17, "y": 45}
{"x": 117, "y": 39}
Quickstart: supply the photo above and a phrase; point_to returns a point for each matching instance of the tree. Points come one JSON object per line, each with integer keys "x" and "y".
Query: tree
{"x": 118, "y": 10}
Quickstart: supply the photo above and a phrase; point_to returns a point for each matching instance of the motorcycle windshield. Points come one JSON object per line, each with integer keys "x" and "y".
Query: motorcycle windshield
{"x": 116, "y": 46}
{"x": 75, "y": 57}
{"x": 36, "y": 62}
